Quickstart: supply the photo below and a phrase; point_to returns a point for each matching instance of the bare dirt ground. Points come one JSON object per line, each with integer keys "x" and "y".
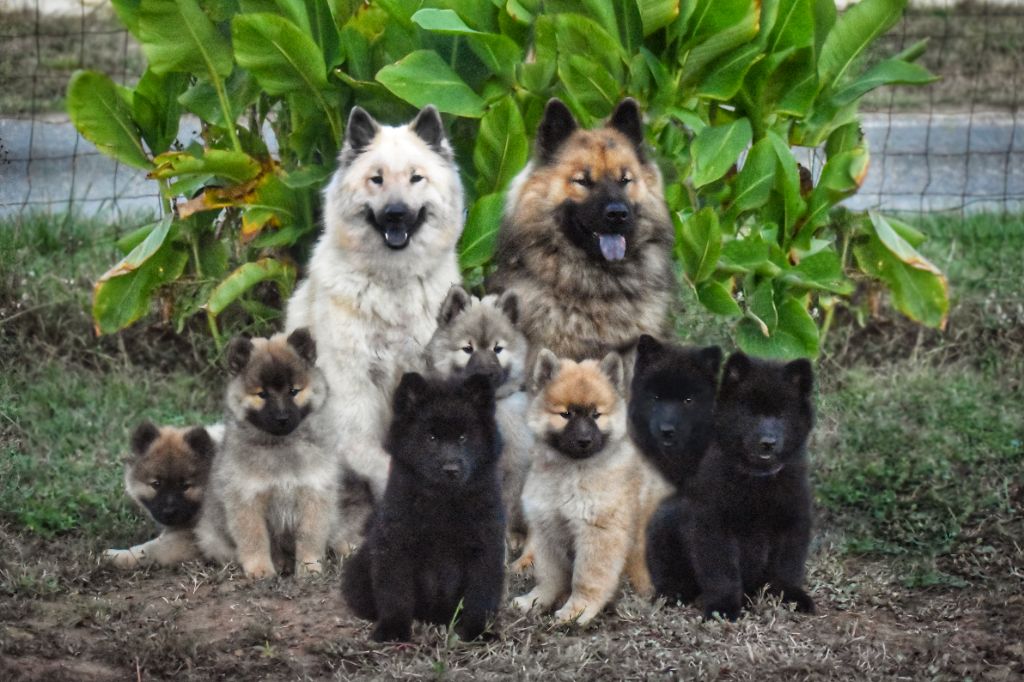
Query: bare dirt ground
{"x": 202, "y": 623}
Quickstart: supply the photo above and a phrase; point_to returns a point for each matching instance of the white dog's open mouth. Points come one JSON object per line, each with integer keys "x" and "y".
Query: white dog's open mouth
{"x": 397, "y": 233}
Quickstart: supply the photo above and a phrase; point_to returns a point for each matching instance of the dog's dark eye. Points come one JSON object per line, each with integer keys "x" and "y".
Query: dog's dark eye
{"x": 155, "y": 483}
{"x": 262, "y": 395}
{"x": 377, "y": 179}
{"x": 416, "y": 177}
{"x": 432, "y": 438}
{"x": 293, "y": 391}
{"x": 596, "y": 414}
{"x": 583, "y": 180}
{"x": 625, "y": 179}
{"x": 468, "y": 349}
{"x": 687, "y": 401}
{"x": 498, "y": 349}
{"x": 462, "y": 438}
{"x": 565, "y": 415}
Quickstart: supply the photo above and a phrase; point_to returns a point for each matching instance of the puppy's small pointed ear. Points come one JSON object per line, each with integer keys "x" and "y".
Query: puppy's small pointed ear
{"x": 478, "y": 388}
{"x": 646, "y": 348}
{"x": 736, "y": 368}
{"x": 627, "y": 120}
{"x": 303, "y": 344}
{"x": 238, "y": 353}
{"x": 801, "y": 374}
{"x": 411, "y": 392}
{"x": 611, "y": 366}
{"x": 430, "y": 128}
{"x": 545, "y": 369}
{"x": 359, "y": 131}
{"x": 199, "y": 440}
{"x": 508, "y": 303}
{"x": 143, "y": 436}
{"x": 457, "y": 300}
{"x": 711, "y": 360}
{"x": 555, "y": 128}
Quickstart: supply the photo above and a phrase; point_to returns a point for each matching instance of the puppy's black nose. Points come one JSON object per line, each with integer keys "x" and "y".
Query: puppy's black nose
{"x": 767, "y": 445}
{"x": 584, "y": 443}
{"x": 451, "y": 469}
{"x": 667, "y": 431}
{"x": 395, "y": 212}
{"x": 616, "y": 212}
{"x": 281, "y": 420}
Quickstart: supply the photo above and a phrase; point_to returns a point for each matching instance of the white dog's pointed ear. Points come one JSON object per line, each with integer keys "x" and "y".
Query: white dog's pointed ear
{"x": 359, "y": 131}
{"x": 544, "y": 369}
{"x": 455, "y": 302}
{"x": 430, "y": 128}
{"x": 612, "y": 368}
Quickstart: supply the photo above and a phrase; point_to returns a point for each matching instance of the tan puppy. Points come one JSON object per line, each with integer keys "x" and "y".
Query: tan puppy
{"x": 166, "y": 477}
{"x": 274, "y": 485}
{"x": 588, "y": 494}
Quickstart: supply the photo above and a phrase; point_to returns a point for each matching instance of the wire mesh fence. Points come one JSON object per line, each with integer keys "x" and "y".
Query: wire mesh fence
{"x": 955, "y": 146}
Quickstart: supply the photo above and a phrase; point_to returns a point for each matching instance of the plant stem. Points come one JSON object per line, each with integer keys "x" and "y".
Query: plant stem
{"x": 226, "y": 110}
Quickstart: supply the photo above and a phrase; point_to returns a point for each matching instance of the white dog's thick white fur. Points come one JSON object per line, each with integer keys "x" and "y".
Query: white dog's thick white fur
{"x": 372, "y": 307}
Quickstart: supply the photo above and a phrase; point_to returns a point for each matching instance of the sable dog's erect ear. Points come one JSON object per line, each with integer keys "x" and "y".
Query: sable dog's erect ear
{"x": 201, "y": 443}
{"x": 545, "y": 369}
{"x": 454, "y": 303}
{"x": 411, "y": 391}
{"x": 430, "y": 128}
{"x": 143, "y": 436}
{"x": 302, "y": 341}
{"x": 238, "y": 354}
{"x": 711, "y": 359}
{"x": 555, "y": 128}
{"x": 627, "y": 120}
{"x": 611, "y": 365}
{"x": 360, "y": 130}
{"x": 508, "y": 302}
{"x": 801, "y": 374}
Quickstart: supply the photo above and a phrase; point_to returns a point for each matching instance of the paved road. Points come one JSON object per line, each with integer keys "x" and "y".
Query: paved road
{"x": 919, "y": 163}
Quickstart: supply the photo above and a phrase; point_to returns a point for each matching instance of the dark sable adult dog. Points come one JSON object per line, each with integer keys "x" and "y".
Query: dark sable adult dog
{"x": 747, "y": 523}
{"x": 438, "y": 536}
{"x": 671, "y": 405}
{"x": 586, "y": 239}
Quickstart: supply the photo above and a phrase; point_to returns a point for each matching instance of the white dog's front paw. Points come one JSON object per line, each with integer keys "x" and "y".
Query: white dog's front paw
{"x": 309, "y": 567}
{"x": 525, "y": 603}
{"x": 120, "y": 558}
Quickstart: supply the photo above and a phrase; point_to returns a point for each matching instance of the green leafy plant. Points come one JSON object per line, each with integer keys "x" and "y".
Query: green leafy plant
{"x": 730, "y": 88}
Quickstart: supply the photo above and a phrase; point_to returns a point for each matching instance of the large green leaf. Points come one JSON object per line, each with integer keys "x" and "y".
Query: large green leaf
{"x": 821, "y": 271}
{"x": 888, "y": 72}
{"x": 655, "y": 14}
{"x": 716, "y": 148}
{"x": 795, "y": 335}
{"x": 245, "y": 277}
{"x": 156, "y": 110}
{"x": 501, "y": 146}
{"x": 919, "y": 290}
{"x": 123, "y": 294}
{"x": 717, "y": 298}
{"x": 478, "y": 239}
{"x": 699, "y": 243}
{"x": 281, "y": 57}
{"x": 793, "y": 28}
{"x": 101, "y": 114}
{"x": 578, "y": 36}
{"x": 788, "y": 182}
{"x": 753, "y": 184}
{"x": 725, "y": 79}
{"x": 203, "y": 100}
{"x": 236, "y": 167}
{"x": 177, "y": 36}
{"x": 588, "y": 84}
{"x": 499, "y": 53}
{"x": 423, "y": 78}
{"x": 855, "y": 29}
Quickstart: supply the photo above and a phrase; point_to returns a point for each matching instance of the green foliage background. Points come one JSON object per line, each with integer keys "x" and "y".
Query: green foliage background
{"x": 729, "y": 87}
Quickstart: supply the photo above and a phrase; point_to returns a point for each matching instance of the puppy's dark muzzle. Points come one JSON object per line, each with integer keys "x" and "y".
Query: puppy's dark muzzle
{"x": 486, "y": 362}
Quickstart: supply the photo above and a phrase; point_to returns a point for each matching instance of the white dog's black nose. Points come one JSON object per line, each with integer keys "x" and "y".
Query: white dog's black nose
{"x": 395, "y": 212}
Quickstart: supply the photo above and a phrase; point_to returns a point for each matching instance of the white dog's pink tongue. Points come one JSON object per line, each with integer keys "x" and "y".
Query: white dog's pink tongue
{"x": 613, "y": 246}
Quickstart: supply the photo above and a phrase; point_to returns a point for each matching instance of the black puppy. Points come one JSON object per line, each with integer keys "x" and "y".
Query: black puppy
{"x": 671, "y": 405}
{"x": 437, "y": 539}
{"x": 747, "y": 522}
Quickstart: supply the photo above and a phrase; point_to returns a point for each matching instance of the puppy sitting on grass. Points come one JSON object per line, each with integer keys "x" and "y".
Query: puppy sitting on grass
{"x": 435, "y": 548}
{"x": 589, "y": 493}
{"x": 166, "y": 477}
{"x": 273, "y": 489}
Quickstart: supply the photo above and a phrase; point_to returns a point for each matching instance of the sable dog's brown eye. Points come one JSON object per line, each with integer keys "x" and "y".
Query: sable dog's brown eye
{"x": 565, "y": 415}
{"x": 261, "y": 394}
{"x": 293, "y": 391}
{"x": 155, "y": 483}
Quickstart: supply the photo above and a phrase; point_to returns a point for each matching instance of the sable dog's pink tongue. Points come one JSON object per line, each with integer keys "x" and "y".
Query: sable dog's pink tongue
{"x": 613, "y": 246}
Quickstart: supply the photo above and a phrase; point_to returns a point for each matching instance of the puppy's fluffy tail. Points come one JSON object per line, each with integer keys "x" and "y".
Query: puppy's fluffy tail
{"x": 357, "y": 584}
